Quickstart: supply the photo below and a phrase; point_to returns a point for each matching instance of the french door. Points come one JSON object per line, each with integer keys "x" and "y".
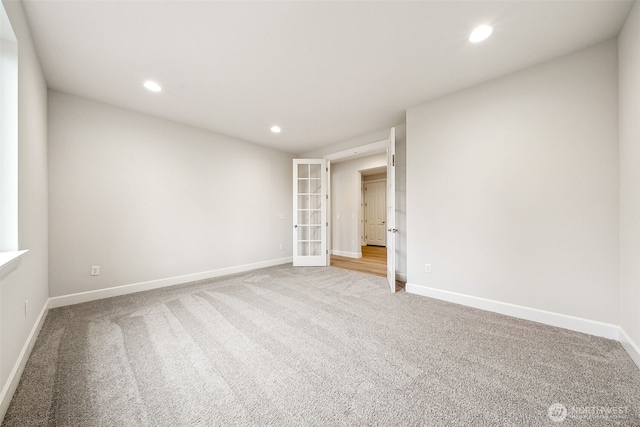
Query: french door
{"x": 310, "y": 185}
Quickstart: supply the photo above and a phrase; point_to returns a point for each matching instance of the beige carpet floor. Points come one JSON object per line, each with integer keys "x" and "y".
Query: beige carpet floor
{"x": 288, "y": 346}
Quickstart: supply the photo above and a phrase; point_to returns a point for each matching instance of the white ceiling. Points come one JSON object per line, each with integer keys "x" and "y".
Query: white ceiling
{"x": 324, "y": 71}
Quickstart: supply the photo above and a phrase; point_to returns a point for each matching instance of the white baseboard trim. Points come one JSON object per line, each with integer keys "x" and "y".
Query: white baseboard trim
{"x": 632, "y": 348}
{"x": 81, "y": 297}
{"x": 592, "y": 327}
{"x": 401, "y": 277}
{"x": 14, "y": 377}
{"x": 346, "y": 254}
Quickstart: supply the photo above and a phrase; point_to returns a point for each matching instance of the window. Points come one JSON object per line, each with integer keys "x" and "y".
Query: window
{"x": 8, "y": 138}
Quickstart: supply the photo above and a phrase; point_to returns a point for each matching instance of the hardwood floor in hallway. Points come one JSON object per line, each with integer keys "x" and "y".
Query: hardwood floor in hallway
{"x": 373, "y": 261}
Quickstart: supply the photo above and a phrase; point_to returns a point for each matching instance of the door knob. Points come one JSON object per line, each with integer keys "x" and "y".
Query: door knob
{"x": 295, "y": 226}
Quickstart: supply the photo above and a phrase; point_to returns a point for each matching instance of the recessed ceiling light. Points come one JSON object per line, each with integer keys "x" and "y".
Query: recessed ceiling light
{"x": 480, "y": 33}
{"x": 152, "y": 86}
{"x": 276, "y": 129}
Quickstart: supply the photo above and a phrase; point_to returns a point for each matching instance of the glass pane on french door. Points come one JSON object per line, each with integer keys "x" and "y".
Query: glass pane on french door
{"x": 309, "y": 212}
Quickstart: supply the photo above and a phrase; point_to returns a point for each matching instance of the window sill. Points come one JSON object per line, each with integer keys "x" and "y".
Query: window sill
{"x": 7, "y": 258}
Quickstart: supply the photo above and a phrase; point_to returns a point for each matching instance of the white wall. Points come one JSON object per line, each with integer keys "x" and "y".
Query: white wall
{"x": 512, "y": 188}
{"x": 401, "y": 171}
{"x": 25, "y": 279}
{"x": 629, "y": 134}
{"x": 147, "y": 199}
{"x": 346, "y": 211}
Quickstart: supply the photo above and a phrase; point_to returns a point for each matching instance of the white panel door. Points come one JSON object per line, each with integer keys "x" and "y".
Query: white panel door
{"x": 391, "y": 210}
{"x": 310, "y": 212}
{"x": 375, "y": 212}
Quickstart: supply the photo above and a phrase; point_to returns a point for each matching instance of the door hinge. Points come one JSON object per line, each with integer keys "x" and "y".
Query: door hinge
{"x": 327, "y": 196}
{"x": 327, "y": 168}
{"x": 327, "y": 251}
{"x": 327, "y": 224}
{"x": 393, "y": 160}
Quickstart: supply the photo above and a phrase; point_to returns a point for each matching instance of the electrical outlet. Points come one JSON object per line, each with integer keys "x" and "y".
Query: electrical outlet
{"x": 427, "y": 268}
{"x": 280, "y": 246}
{"x": 26, "y": 307}
{"x": 95, "y": 270}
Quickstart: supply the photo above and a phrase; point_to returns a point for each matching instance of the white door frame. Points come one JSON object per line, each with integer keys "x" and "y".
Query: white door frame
{"x": 361, "y": 151}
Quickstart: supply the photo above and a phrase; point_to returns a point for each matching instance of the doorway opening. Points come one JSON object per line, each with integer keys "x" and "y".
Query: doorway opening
{"x": 309, "y": 215}
{"x": 370, "y": 254}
